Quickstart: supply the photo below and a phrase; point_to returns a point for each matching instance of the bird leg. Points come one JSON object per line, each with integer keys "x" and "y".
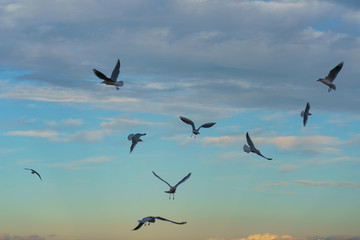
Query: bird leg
{"x": 173, "y": 196}
{"x": 329, "y": 90}
{"x": 169, "y": 195}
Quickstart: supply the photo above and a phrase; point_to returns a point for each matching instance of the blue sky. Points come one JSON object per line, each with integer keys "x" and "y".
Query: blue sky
{"x": 249, "y": 66}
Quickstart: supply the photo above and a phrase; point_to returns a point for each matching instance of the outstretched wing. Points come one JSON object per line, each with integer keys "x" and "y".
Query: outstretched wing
{"x": 134, "y": 142}
{"x": 164, "y": 219}
{"x": 307, "y": 108}
{"x": 38, "y": 174}
{"x": 161, "y": 179}
{"x": 138, "y": 226}
{"x": 306, "y": 113}
{"x": 207, "y": 125}
{"x": 305, "y": 120}
{"x": 182, "y": 180}
{"x": 101, "y": 75}
{"x": 188, "y": 121}
{"x": 259, "y": 153}
{"x": 116, "y": 71}
{"x": 248, "y": 139}
{"x": 334, "y": 72}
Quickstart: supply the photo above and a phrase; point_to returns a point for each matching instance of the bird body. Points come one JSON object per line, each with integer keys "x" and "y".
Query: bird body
{"x": 252, "y": 148}
{"x": 305, "y": 114}
{"x": 172, "y": 188}
{"x": 328, "y": 80}
{"x": 195, "y": 131}
{"x": 135, "y": 138}
{"x": 151, "y": 219}
{"x": 33, "y": 172}
{"x": 113, "y": 79}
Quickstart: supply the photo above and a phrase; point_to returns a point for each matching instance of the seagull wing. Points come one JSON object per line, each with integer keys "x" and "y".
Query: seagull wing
{"x": 182, "y": 180}
{"x": 305, "y": 120}
{"x": 188, "y": 121}
{"x": 306, "y": 113}
{"x": 116, "y": 71}
{"x": 101, "y": 75}
{"x": 334, "y": 72}
{"x": 259, "y": 153}
{"x": 38, "y": 174}
{"x": 164, "y": 219}
{"x": 248, "y": 139}
{"x": 161, "y": 179}
{"x": 138, "y": 226}
{"x": 134, "y": 142}
{"x": 206, "y": 125}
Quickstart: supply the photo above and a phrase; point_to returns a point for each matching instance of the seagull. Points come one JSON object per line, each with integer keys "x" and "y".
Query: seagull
{"x": 135, "y": 138}
{"x": 33, "y": 172}
{"x": 172, "y": 188}
{"x": 196, "y": 131}
{"x": 331, "y": 77}
{"x": 252, "y": 147}
{"x": 114, "y": 75}
{"x": 151, "y": 219}
{"x": 305, "y": 114}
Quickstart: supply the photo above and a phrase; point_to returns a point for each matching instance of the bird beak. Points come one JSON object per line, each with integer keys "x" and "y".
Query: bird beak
{"x": 140, "y": 140}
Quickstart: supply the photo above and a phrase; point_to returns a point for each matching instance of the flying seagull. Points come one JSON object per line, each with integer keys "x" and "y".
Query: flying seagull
{"x": 252, "y": 148}
{"x": 33, "y": 172}
{"x": 331, "y": 77}
{"x": 196, "y": 131}
{"x": 151, "y": 219}
{"x": 305, "y": 114}
{"x": 172, "y": 188}
{"x": 135, "y": 138}
{"x": 113, "y": 79}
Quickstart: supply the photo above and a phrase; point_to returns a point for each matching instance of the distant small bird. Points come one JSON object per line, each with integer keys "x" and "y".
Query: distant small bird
{"x": 252, "y": 148}
{"x": 151, "y": 219}
{"x": 172, "y": 188}
{"x": 331, "y": 77}
{"x": 33, "y": 172}
{"x": 135, "y": 138}
{"x": 305, "y": 114}
{"x": 196, "y": 131}
{"x": 113, "y": 79}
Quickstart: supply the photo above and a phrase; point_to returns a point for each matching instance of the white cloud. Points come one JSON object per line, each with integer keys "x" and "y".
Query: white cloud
{"x": 75, "y": 165}
{"x": 33, "y": 133}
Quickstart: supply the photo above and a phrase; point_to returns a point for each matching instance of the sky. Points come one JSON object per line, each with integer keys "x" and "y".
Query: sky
{"x": 250, "y": 66}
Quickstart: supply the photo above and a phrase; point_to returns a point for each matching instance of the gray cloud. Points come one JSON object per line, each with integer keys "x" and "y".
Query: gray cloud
{"x": 220, "y": 54}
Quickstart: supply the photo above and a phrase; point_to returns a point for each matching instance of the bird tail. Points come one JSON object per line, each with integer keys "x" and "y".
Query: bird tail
{"x": 246, "y": 148}
{"x": 130, "y": 137}
{"x": 302, "y": 113}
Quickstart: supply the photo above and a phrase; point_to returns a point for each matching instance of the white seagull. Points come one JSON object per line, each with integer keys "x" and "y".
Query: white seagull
{"x": 252, "y": 148}
{"x": 135, "y": 138}
{"x": 194, "y": 130}
{"x": 151, "y": 219}
{"x": 172, "y": 188}
{"x": 113, "y": 79}
{"x": 305, "y": 114}
{"x": 34, "y": 172}
{"x": 331, "y": 77}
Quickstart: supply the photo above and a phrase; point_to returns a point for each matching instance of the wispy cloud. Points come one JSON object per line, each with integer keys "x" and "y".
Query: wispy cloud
{"x": 310, "y": 183}
{"x": 33, "y": 133}
{"x": 78, "y": 164}
{"x": 331, "y": 184}
{"x": 270, "y": 236}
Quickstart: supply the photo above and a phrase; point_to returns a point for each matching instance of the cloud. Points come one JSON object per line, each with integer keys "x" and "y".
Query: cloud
{"x": 33, "y": 133}
{"x": 223, "y": 141}
{"x": 75, "y": 165}
{"x": 266, "y": 236}
{"x": 331, "y": 184}
{"x": 310, "y": 183}
{"x": 65, "y": 123}
{"x": 269, "y": 236}
{"x": 4, "y": 236}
